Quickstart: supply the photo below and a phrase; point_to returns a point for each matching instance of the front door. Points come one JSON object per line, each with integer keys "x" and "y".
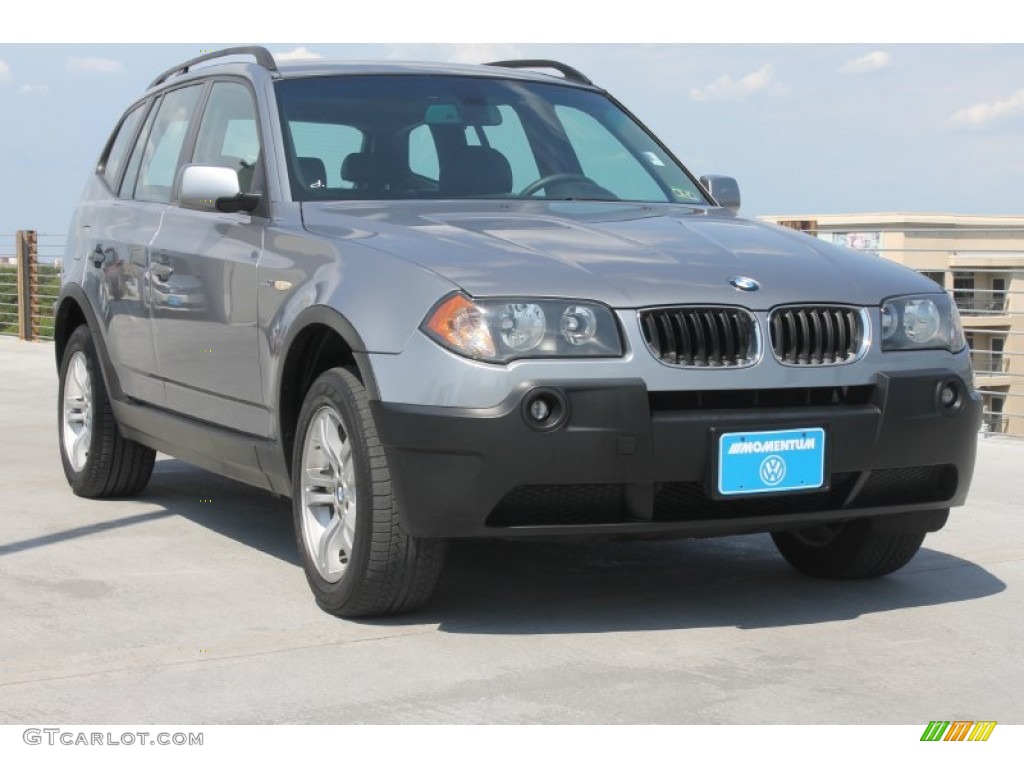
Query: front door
{"x": 204, "y": 282}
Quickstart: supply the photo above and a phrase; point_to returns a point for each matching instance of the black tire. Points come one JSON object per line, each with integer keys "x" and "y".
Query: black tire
{"x": 851, "y": 550}
{"x": 114, "y": 466}
{"x": 386, "y": 571}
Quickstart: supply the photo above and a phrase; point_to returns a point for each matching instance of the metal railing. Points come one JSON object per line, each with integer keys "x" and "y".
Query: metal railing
{"x": 8, "y": 287}
{"x": 995, "y": 314}
{"x": 982, "y": 267}
{"x": 988, "y": 362}
{"x": 980, "y": 301}
{"x": 29, "y": 284}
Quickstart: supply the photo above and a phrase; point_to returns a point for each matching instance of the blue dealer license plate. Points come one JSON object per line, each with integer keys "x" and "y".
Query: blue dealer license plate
{"x": 770, "y": 462}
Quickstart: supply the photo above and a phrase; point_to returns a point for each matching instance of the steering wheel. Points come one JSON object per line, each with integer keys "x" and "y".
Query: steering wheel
{"x": 555, "y": 178}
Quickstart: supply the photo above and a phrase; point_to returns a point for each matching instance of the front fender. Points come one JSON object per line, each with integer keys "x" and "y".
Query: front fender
{"x": 331, "y": 318}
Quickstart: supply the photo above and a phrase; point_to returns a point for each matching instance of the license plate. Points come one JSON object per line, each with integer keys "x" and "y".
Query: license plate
{"x": 174, "y": 301}
{"x": 771, "y": 462}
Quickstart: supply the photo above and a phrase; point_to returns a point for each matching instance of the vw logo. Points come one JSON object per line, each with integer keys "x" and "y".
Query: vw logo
{"x": 744, "y": 283}
{"x": 773, "y": 470}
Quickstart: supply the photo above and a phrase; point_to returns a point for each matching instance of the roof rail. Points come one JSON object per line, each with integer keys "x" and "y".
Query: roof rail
{"x": 570, "y": 73}
{"x": 263, "y": 57}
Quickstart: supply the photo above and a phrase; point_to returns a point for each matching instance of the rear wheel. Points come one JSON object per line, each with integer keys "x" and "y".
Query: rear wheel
{"x": 850, "y": 550}
{"x": 357, "y": 559}
{"x": 99, "y": 462}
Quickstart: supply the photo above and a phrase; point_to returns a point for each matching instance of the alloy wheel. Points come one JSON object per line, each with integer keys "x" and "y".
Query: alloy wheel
{"x": 77, "y": 425}
{"x": 328, "y": 495}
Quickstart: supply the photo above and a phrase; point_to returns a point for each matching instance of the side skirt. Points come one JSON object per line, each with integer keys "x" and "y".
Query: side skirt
{"x": 241, "y": 457}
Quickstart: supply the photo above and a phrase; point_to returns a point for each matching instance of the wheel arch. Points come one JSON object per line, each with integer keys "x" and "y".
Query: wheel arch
{"x": 320, "y": 338}
{"x": 72, "y": 310}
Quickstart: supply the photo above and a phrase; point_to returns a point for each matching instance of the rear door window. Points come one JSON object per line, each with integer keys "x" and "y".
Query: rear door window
{"x": 131, "y": 174}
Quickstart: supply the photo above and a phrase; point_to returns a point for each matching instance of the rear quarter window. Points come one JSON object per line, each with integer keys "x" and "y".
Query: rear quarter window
{"x": 119, "y": 147}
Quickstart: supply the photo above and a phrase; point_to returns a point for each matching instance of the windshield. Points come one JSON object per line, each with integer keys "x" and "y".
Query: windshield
{"x": 373, "y": 137}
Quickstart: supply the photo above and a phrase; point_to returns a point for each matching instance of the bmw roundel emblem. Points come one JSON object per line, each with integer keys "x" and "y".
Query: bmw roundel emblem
{"x": 744, "y": 283}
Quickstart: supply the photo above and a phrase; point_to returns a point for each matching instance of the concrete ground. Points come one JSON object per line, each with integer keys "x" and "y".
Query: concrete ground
{"x": 187, "y": 605}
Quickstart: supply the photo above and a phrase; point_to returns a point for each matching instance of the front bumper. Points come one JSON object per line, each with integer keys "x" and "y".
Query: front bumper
{"x": 627, "y": 461}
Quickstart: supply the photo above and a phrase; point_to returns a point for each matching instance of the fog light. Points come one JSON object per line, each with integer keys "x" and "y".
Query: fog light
{"x": 949, "y": 396}
{"x": 540, "y": 410}
{"x": 545, "y": 409}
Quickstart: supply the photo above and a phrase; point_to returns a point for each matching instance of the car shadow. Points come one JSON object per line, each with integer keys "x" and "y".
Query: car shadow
{"x": 248, "y": 515}
{"x": 587, "y": 586}
{"x": 516, "y": 588}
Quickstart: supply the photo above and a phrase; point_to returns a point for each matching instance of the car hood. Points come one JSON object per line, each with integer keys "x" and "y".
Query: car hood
{"x": 625, "y": 255}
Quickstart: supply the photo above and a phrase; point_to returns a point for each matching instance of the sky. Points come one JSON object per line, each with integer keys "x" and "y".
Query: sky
{"x": 806, "y": 127}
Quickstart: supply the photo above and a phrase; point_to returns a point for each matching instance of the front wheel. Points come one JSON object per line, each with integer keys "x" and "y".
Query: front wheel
{"x": 357, "y": 559}
{"x": 850, "y": 550}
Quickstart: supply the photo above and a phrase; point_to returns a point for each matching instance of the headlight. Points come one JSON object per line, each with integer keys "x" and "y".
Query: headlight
{"x": 921, "y": 322}
{"x": 890, "y": 320}
{"x": 521, "y": 326}
{"x": 579, "y": 324}
{"x": 500, "y": 330}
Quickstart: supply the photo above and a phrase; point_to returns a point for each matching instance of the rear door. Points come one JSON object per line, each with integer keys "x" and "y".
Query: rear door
{"x": 125, "y": 219}
{"x": 108, "y": 278}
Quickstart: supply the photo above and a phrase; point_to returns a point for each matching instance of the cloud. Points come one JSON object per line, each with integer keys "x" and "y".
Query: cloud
{"x": 478, "y": 53}
{"x": 296, "y": 54}
{"x": 727, "y": 89}
{"x": 986, "y": 113}
{"x": 5, "y": 72}
{"x": 37, "y": 88}
{"x": 94, "y": 65}
{"x": 875, "y": 61}
{"x": 462, "y": 53}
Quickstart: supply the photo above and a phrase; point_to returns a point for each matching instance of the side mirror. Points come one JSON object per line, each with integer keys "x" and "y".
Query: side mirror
{"x": 724, "y": 190}
{"x": 213, "y": 188}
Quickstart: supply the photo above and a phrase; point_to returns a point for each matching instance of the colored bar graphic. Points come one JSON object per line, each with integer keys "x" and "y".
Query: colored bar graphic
{"x": 982, "y": 730}
{"x": 958, "y": 730}
{"x": 935, "y": 730}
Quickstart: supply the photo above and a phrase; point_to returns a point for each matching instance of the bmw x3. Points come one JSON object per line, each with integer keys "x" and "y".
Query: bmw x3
{"x": 433, "y": 301}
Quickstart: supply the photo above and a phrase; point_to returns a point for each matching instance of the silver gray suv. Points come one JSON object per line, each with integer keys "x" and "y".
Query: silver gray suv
{"x": 429, "y": 301}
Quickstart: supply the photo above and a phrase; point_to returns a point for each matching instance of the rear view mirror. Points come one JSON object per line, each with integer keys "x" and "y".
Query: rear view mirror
{"x": 465, "y": 113}
{"x": 724, "y": 190}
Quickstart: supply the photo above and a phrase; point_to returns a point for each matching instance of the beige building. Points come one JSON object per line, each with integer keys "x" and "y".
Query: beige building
{"x": 980, "y": 260}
